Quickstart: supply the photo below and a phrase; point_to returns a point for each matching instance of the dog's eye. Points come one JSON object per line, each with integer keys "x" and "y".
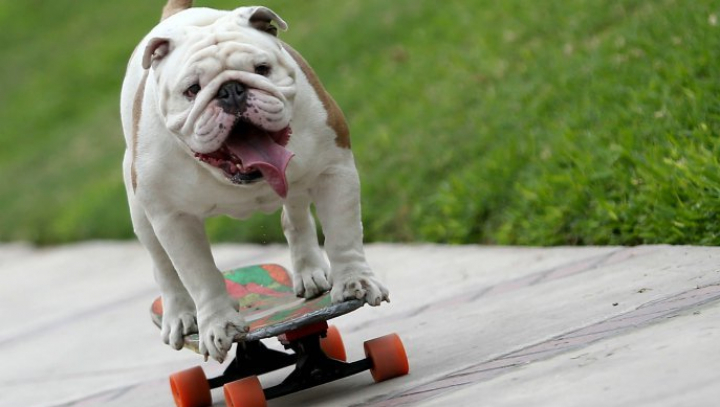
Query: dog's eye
{"x": 262, "y": 69}
{"x": 192, "y": 91}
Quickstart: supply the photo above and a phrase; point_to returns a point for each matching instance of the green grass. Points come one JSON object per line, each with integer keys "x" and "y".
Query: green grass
{"x": 506, "y": 122}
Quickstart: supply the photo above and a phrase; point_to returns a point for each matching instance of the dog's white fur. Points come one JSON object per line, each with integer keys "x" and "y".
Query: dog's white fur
{"x": 171, "y": 192}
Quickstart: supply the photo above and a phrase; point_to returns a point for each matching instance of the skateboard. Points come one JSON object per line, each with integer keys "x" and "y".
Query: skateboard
{"x": 268, "y": 303}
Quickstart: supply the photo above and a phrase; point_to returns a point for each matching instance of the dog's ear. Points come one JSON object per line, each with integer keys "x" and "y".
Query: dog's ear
{"x": 262, "y": 18}
{"x": 156, "y": 49}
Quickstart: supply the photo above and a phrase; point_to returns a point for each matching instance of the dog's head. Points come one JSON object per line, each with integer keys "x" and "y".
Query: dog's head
{"x": 225, "y": 87}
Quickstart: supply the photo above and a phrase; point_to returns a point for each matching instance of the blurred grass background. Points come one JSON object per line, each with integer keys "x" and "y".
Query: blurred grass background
{"x": 473, "y": 121}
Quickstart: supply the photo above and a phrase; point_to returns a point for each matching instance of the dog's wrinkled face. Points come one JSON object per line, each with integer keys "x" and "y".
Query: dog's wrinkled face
{"x": 225, "y": 89}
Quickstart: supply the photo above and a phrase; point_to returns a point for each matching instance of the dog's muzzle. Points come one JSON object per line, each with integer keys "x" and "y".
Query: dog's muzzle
{"x": 249, "y": 153}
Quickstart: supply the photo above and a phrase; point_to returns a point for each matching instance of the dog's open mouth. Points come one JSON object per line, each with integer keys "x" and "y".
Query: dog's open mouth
{"x": 250, "y": 154}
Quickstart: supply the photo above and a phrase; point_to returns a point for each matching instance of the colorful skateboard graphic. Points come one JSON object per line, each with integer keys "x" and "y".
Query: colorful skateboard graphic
{"x": 268, "y": 303}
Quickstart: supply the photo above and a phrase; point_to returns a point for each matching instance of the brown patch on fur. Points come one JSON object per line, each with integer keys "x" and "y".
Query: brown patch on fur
{"x": 336, "y": 118}
{"x": 174, "y": 7}
{"x": 136, "y": 115}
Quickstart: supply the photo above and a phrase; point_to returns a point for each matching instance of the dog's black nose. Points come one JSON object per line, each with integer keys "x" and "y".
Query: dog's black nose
{"x": 231, "y": 97}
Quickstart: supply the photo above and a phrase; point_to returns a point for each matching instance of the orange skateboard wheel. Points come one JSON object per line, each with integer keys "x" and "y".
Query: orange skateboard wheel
{"x": 247, "y": 392}
{"x": 388, "y": 357}
{"x": 190, "y": 388}
{"x": 332, "y": 344}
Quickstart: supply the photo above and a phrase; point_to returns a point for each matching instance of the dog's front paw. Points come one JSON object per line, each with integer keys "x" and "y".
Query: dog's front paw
{"x": 178, "y": 320}
{"x": 218, "y": 330}
{"x": 359, "y": 285}
{"x": 309, "y": 282}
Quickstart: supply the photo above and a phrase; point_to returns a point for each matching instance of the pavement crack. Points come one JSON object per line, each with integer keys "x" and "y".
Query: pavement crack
{"x": 661, "y": 310}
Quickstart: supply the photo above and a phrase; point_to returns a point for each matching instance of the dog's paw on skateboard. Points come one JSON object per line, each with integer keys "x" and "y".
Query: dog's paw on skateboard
{"x": 218, "y": 330}
{"x": 359, "y": 285}
{"x": 311, "y": 282}
{"x": 178, "y": 320}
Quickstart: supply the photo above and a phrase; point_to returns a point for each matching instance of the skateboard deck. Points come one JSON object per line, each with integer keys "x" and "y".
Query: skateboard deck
{"x": 268, "y": 303}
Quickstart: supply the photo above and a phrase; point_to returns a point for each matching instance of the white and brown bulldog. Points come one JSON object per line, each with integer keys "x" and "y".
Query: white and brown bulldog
{"x": 221, "y": 117}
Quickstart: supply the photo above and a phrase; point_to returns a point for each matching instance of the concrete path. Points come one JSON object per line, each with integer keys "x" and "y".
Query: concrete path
{"x": 483, "y": 326}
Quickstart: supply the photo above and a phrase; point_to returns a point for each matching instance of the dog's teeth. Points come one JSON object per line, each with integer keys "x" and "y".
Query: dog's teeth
{"x": 239, "y": 167}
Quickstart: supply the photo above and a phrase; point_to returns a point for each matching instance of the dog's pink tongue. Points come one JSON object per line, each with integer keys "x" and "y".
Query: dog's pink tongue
{"x": 257, "y": 149}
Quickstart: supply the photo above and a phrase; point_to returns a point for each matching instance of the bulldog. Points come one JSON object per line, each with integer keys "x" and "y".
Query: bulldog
{"x": 222, "y": 118}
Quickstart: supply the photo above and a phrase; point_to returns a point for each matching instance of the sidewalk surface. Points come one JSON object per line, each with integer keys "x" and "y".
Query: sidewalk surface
{"x": 483, "y": 326}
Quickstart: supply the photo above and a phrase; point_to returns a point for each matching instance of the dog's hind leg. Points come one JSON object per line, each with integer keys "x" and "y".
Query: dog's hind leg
{"x": 310, "y": 269}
